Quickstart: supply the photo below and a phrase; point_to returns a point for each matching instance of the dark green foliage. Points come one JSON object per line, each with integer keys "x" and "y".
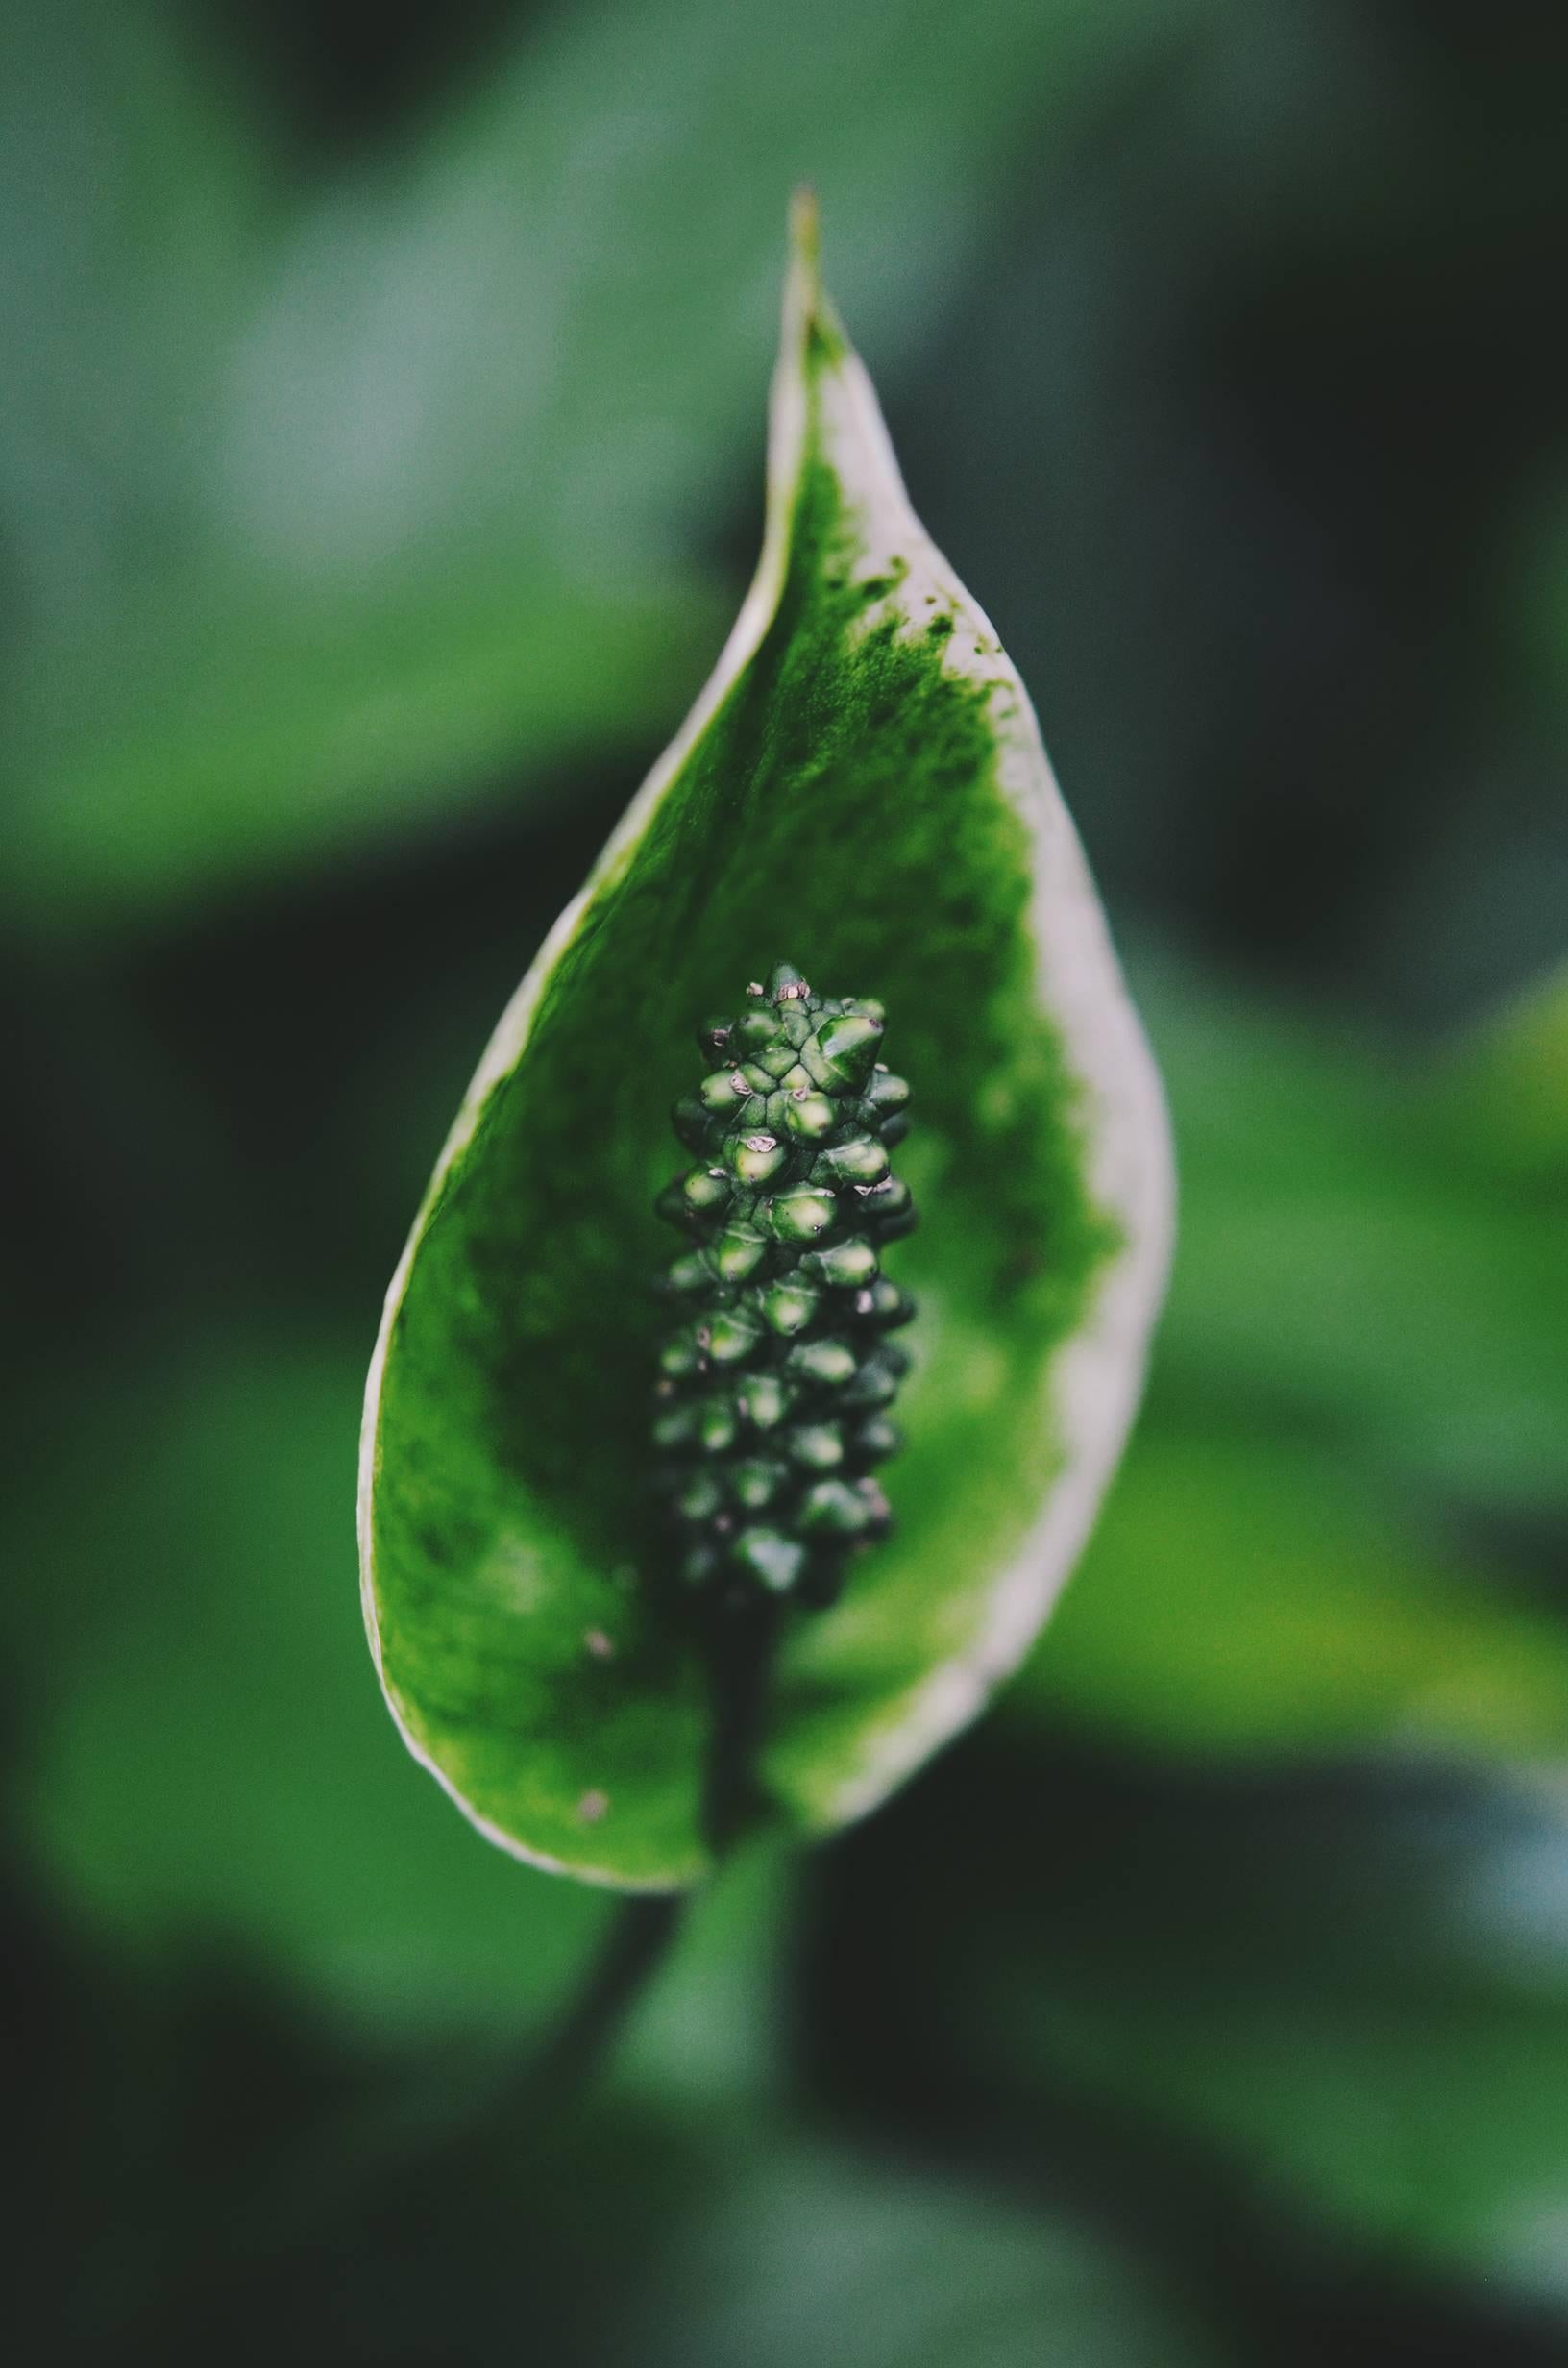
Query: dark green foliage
{"x": 770, "y": 1403}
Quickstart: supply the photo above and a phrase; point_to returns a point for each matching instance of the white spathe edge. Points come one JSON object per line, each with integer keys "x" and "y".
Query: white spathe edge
{"x": 786, "y": 451}
{"x": 1097, "y": 1375}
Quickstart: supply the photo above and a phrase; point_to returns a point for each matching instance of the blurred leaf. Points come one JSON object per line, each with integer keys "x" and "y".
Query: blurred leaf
{"x": 1370, "y": 2009}
{"x": 428, "y": 513}
{"x": 1338, "y": 1265}
{"x": 207, "y": 1758}
{"x": 1245, "y": 1595}
{"x": 801, "y": 2253}
{"x": 278, "y": 725}
{"x": 134, "y": 203}
{"x": 1503, "y": 1095}
{"x": 1353, "y": 1998}
{"x": 864, "y": 774}
{"x": 642, "y": 2235}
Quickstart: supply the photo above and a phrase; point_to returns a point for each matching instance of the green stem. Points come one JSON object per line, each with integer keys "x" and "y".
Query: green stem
{"x": 639, "y": 1937}
{"x": 742, "y": 1645}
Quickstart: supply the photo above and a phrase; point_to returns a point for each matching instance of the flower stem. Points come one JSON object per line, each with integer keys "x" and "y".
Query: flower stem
{"x": 742, "y": 1643}
{"x": 644, "y": 1927}
{"x": 635, "y": 1944}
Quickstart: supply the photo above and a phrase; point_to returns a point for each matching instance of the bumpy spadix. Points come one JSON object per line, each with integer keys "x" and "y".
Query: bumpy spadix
{"x": 771, "y": 1408}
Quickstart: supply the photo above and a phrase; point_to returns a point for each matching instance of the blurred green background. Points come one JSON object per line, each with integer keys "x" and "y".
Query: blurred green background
{"x": 379, "y": 469}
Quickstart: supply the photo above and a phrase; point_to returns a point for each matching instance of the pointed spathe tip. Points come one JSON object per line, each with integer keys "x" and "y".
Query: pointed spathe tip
{"x": 809, "y": 319}
{"x": 805, "y": 228}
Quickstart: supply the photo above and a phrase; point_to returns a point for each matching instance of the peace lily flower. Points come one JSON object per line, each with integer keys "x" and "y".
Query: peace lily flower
{"x": 860, "y": 788}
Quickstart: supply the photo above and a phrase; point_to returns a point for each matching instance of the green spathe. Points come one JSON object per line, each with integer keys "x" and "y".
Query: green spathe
{"x": 862, "y": 773}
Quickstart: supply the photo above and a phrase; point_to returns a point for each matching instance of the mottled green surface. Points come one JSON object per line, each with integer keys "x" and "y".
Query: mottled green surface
{"x": 842, "y": 807}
